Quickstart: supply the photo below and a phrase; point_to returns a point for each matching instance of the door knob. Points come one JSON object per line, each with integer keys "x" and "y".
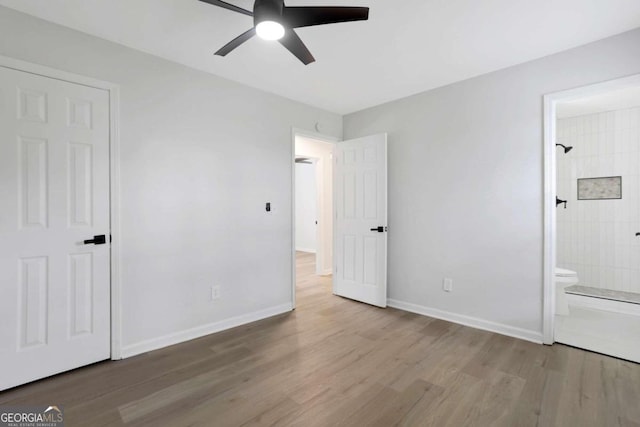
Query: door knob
{"x": 97, "y": 240}
{"x": 379, "y": 229}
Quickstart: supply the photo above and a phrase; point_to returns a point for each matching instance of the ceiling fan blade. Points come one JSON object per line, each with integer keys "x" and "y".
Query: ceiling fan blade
{"x": 293, "y": 43}
{"x": 236, "y": 42}
{"x": 296, "y": 17}
{"x": 228, "y": 6}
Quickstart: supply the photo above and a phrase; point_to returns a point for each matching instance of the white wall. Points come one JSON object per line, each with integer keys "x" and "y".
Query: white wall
{"x": 597, "y": 238}
{"x": 466, "y": 185}
{"x": 306, "y": 207}
{"x": 200, "y": 156}
{"x": 321, "y": 151}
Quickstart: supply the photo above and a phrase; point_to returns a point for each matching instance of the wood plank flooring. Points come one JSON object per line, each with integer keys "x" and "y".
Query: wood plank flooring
{"x": 335, "y": 362}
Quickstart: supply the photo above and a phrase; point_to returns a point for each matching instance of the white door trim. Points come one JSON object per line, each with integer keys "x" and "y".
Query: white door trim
{"x": 549, "y": 263}
{"x": 314, "y": 135}
{"x": 114, "y": 179}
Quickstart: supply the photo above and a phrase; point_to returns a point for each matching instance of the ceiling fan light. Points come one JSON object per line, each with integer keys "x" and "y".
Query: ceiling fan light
{"x": 270, "y": 30}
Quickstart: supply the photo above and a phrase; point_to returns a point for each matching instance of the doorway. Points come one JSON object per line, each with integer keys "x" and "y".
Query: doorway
{"x": 592, "y": 185}
{"x": 312, "y": 211}
{"x": 352, "y": 219}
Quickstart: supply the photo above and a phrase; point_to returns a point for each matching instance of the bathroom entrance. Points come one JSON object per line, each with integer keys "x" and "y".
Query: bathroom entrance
{"x": 593, "y": 254}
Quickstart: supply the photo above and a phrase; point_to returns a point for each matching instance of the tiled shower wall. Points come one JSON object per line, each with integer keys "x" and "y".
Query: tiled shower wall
{"x": 597, "y": 238}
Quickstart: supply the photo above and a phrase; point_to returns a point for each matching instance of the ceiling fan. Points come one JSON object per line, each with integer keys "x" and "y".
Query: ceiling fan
{"x": 272, "y": 20}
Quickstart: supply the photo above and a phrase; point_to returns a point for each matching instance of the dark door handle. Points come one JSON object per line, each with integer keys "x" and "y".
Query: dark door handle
{"x": 97, "y": 240}
{"x": 380, "y": 229}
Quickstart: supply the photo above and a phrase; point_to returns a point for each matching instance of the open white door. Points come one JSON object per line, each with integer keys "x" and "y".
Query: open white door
{"x": 54, "y": 195}
{"x": 360, "y": 180}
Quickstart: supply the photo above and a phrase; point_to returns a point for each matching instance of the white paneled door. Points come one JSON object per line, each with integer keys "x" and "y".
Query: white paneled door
{"x": 360, "y": 181}
{"x": 54, "y": 195}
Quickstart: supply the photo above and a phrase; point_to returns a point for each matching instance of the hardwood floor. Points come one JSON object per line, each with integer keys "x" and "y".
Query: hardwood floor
{"x": 338, "y": 362}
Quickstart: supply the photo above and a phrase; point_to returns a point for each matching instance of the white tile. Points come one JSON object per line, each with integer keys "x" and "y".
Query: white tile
{"x": 597, "y": 238}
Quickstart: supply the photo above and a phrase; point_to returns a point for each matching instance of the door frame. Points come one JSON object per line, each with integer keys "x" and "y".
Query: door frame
{"x": 313, "y": 135}
{"x": 550, "y": 229}
{"x": 114, "y": 180}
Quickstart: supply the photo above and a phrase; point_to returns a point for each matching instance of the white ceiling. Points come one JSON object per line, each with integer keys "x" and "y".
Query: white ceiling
{"x": 406, "y": 47}
{"x": 609, "y": 101}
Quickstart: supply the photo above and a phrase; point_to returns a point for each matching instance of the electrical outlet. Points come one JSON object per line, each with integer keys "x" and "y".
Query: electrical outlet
{"x": 215, "y": 293}
{"x": 447, "y": 284}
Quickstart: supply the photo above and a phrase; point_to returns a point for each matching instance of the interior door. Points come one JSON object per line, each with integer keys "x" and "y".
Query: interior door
{"x": 54, "y": 195}
{"x": 360, "y": 179}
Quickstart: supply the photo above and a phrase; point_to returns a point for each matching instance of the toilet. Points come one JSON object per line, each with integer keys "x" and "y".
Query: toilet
{"x": 564, "y": 278}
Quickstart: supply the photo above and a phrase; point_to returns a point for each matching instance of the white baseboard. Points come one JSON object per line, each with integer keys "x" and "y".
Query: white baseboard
{"x": 200, "y": 331}
{"x": 327, "y": 271}
{"x": 311, "y": 251}
{"x": 473, "y": 322}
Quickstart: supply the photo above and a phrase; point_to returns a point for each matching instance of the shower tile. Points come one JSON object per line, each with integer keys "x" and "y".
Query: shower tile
{"x": 598, "y": 237}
